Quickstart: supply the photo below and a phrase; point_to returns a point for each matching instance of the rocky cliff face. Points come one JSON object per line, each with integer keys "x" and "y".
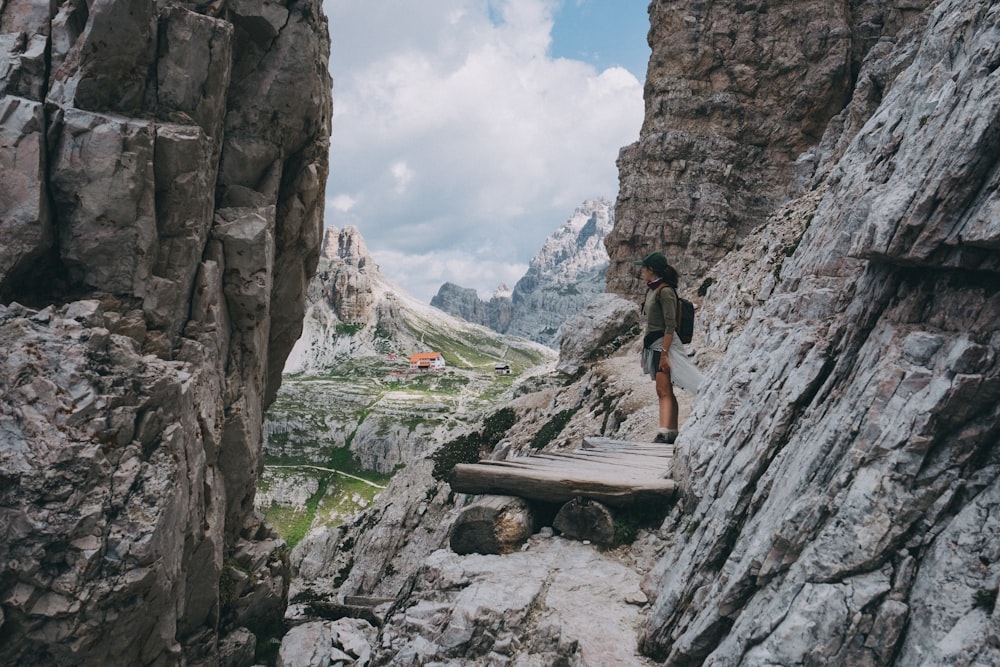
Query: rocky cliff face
{"x": 563, "y": 276}
{"x": 340, "y": 300}
{"x": 737, "y": 96}
{"x": 160, "y": 216}
{"x": 464, "y": 302}
{"x": 840, "y": 466}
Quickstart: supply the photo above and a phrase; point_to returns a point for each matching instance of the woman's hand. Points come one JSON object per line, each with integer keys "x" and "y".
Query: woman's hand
{"x": 664, "y": 362}
{"x": 664, "y": 354}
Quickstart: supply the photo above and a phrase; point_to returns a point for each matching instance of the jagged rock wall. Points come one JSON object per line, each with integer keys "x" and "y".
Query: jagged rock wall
{"x": 563, "y": 276}
{"x": 736, "y": 96}
{"x": 345, "y": 281}
{"x": 840, "y": 467}
{"x": 463, "y": 302}
{"x": 160, "y": 214}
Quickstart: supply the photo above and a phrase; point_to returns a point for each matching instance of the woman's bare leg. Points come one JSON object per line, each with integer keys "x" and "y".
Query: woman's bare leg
{"x": 667, "y": 400}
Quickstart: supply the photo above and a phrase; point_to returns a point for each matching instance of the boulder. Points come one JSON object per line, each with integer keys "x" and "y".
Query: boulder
{"x": 606, "y": 324}
{"x": 343, "y": 642}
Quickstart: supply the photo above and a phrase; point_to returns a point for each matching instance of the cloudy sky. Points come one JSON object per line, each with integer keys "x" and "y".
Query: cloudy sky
{"x": 467, "y": 131}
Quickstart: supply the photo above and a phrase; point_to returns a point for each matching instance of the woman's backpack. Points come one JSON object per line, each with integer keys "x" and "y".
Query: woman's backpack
{"x": 685, "y": 318}
{"x": 685, "y": 315}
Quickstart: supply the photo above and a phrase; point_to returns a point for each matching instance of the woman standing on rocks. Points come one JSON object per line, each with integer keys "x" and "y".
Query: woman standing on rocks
{"x": 661, "y": 310}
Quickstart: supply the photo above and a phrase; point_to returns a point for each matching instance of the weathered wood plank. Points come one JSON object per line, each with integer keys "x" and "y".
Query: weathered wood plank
{"x": 614, "y": 459}
{"x": 566, "y": 462}
{"x": 554, "y": 486}
{"x": 657, "y": 450}
{"x": 615, "y": 472}
{"x": 598, "y": 456}
{"x": 653, "y": 450}
{"x": 624, "y": 446}
{"x": 597, "y": 463}
{"x": 599, "y": 467}
{"x": 592, "y": 474}
{"x": 591, "y": 442}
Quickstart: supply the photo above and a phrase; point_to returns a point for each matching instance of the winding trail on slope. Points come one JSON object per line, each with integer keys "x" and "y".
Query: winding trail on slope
{"x": 339, "y": 472}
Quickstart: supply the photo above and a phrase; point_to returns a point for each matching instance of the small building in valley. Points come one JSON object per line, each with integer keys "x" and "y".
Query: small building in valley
{"x": 426, "y": 361}
{"x": 502, "y": 369}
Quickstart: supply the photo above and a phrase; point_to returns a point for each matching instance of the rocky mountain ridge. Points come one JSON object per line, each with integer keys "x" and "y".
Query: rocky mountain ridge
{"x": 826, "y": 176}
{"x": 353, "y": 311}
{"x": 160, "y": 212}
{"x": 562, "y": 277}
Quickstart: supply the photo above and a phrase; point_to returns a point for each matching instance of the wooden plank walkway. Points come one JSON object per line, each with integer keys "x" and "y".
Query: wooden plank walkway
{"x": 614, "y": 472}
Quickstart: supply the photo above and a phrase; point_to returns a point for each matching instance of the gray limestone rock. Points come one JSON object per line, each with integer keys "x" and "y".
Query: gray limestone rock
{"x": 26, "y": 231}
{"x": 735, "y": 94}
{"x": 540, "y": 605}
{"x": 159, "y": 318}
{"x": 846, "y": 439}
{"x": 343, "y": 642}
{"x": 463, "y": 302}
{"x": 606, "y": 324}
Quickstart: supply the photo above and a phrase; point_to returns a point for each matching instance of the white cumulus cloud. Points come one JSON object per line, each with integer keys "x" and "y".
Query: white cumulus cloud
{"x": 459, "y": 144}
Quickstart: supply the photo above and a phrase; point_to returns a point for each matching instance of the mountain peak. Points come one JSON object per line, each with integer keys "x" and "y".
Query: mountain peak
{"x": 562, "y": 277}
{"x": 354, "y": 312}
{"x": 352, "y": 249}
{"x": 329, "y": 250}
{"x": 348, "y": 245}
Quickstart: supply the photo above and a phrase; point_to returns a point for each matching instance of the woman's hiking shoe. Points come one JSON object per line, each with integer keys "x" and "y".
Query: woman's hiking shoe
{"x": 667, "y": 438}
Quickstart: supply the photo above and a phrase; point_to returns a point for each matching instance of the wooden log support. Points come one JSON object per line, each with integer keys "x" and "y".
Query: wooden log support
{"x": 585, "y": 519}
{"x": 492, "y": 525}
{"x": 614, "y": 472}
{"x": 612, "y": 485}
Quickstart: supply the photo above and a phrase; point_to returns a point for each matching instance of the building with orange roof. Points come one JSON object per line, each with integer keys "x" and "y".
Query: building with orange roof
{"x": 426, "y": 361}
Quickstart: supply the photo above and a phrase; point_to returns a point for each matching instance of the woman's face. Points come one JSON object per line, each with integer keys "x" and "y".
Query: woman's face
{"x": 647, "y": 274}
